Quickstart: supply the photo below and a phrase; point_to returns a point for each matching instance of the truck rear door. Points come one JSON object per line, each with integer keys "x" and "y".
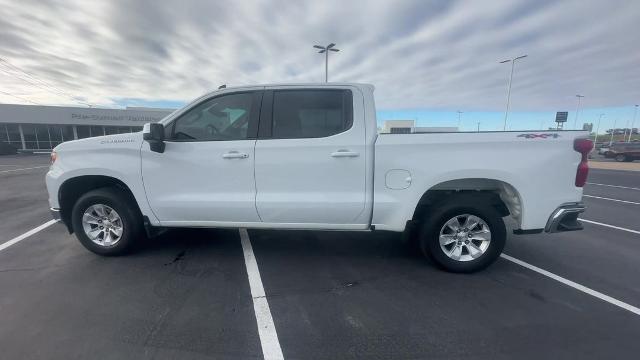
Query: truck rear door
{"x": 310, "y": 157}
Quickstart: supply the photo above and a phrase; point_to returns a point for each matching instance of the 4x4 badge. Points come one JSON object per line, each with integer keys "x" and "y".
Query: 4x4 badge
{"x": 543, "y": 136}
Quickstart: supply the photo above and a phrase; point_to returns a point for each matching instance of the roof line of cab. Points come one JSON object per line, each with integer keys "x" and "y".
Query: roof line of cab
{"x": 318, "y": 84}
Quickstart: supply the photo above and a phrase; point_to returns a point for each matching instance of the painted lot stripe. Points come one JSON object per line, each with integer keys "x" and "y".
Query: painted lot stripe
{"x": 19, "y": 238}
{"x": 615, "y": 186}
{"x": 610, "y": 226}
{"x": 610, "y": 199}
{"x": 574, "y": 285}
{"x": 266, "y": 329}
{"x": 30, "y": 168}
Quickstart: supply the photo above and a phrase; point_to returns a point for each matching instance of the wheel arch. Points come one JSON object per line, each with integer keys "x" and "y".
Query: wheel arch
{"x": 501, "y": 194}
{"x": 73, "y": 188}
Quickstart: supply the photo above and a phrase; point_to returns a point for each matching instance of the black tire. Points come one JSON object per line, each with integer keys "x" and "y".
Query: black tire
{"x": 621, "y": 158}
{"x": 121, "y": 202}
{"x": 448, "y": 209}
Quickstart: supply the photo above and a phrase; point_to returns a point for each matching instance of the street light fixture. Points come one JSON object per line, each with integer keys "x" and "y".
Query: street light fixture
{"x": 635, "y": 112}
{"x": 513, "y": 63}
{"x": 575, "y": 121}
{"x": 325, "y": 50}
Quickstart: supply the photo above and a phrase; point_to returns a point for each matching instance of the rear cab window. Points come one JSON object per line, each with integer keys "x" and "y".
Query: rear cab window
{"x": 311, "y": 113}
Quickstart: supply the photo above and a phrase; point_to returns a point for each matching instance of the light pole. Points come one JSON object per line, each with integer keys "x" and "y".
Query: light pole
{"x": 595, "y": 140}
{"x": 613, "y": 131}
{"x": 478, "y": 126}
{"x": 575, "y": 121}
{"x": 513, "y": 63}
{"x": 459, "y": 120}
{"x": 635, "y": 112}
{"x": 325, "y": 50}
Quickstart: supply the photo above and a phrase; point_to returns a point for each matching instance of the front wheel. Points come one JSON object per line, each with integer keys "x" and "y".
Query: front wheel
{"x": 621, "y": 158}
{"x": 106, "y": 222}
{"x": 463, "y": 235}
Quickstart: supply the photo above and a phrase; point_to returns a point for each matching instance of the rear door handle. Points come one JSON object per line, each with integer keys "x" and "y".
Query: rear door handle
{"x": 235, "y": 155}
{"x": 344, "y": 153}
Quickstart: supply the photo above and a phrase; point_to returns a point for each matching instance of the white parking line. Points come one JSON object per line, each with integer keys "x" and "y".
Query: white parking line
{"x": 30, "y": 168}
{"x": 609, "y": 226}
{"x": 610, "y": 199}
{"x": 27, "y": 234}
{"x": 266, "y": 329}
{"x": 574, "y": 285}
{"x": 615, "y": 186}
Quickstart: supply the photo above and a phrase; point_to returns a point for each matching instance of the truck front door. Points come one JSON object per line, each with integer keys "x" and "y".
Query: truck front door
{"x": 205, "y": 175}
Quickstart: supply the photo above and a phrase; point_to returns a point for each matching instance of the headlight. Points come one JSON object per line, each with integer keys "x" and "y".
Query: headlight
{"x": 54, "y": 157}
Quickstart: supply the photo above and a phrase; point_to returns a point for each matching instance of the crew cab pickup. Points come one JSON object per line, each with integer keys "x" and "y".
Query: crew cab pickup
{"x": 310, "y": 157}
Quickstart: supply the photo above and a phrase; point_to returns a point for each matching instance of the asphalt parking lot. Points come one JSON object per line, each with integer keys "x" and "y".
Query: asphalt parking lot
{"x": 330, "y": 295}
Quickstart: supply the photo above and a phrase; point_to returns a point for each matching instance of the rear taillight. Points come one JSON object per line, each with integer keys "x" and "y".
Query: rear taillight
{"x": 583, "y": 146}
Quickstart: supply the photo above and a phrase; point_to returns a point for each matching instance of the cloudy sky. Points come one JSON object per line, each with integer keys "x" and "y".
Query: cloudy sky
{"x": 424, "y": 57}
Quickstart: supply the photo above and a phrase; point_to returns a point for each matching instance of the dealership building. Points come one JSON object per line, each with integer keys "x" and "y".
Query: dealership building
{"x": 34, "y": 127}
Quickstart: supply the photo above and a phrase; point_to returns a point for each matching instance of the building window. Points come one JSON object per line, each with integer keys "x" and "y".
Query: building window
{"x": 30, "y": 139}
{"x": 42, "y": 137}
{"x": 13, "y": 132}
{"x": 97, "y": 131}
{"x": 4, "y": 134}
{"x": 66, "y": 131}
{"x": 83, "y": 131}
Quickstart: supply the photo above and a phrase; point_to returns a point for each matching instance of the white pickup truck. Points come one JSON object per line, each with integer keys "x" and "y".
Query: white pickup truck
{"x": 310, "y": 157}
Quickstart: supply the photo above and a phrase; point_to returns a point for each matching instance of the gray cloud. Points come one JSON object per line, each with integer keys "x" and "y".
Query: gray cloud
{"x": 419, "y": 54}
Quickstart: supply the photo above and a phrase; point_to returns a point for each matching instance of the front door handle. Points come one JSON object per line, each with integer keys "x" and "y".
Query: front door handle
{"x": 344, "y": 153}
{"x": 235, "y": 155}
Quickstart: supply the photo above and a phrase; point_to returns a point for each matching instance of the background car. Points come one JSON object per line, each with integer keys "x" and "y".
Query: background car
{"x": 623, "y": 152}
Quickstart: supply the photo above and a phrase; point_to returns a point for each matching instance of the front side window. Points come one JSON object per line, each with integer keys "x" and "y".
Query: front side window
{"x": 224, "y": 117}
{"x": 311, "y": 113}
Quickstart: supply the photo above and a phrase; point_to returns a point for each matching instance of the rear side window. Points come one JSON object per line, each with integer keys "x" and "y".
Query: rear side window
{"x": 311, "y": 113}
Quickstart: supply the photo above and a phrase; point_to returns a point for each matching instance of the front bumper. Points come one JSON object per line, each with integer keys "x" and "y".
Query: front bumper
{"x": 55, "y": 213}
{"x": 565, "y": 218}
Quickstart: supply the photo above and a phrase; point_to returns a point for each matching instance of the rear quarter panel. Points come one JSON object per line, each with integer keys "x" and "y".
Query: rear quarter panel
{"x": 541, "y": 166}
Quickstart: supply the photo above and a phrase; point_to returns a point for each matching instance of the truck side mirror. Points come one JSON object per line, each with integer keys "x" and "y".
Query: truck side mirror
{"x": 153, "y": 133}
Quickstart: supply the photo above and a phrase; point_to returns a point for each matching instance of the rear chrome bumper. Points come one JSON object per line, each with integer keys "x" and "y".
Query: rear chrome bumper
{"x": 565, "y": 218}
{"x": 55, "y": 213}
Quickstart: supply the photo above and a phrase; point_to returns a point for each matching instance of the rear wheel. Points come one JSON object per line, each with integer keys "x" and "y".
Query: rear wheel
{"x": 621, "y": 158}
{"x": 463, "y": 235}
{"x": 106, "y": 221}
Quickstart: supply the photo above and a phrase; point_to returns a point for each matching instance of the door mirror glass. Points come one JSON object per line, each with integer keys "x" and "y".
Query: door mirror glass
{"x": 153, "y": 133}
